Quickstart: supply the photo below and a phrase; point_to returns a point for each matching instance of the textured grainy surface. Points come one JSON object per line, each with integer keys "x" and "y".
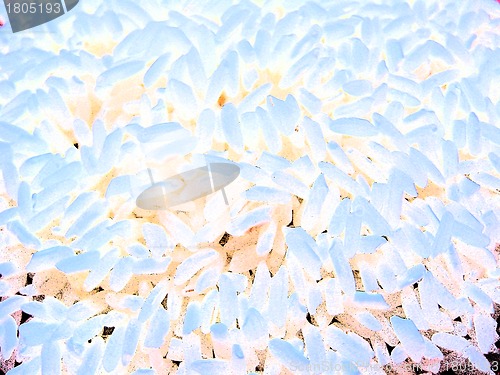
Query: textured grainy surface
{"x": 361, "y": 235}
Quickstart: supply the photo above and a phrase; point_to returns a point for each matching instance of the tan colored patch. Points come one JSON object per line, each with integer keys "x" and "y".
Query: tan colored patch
{"x": 430, "y": 190}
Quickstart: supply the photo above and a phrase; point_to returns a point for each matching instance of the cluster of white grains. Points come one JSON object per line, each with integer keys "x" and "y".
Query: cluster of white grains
{"x": 362, "y": 235}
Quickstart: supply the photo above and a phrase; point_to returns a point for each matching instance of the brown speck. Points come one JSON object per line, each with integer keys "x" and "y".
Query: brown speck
{"x": 224, "y": 239}
{"x": 222, "y": 100}
{"x": 106, "y": 331}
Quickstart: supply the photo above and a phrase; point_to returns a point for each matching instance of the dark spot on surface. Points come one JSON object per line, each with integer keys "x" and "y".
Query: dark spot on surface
{"x": 250, "y": 272}
{"x": 389, "y": 348}
{"x": 259, "y": 367}
{"x": 76, "y": 145}
{"x": 222, "y": 100}
{"x": 225, "y": 238}
{"x": 97, "y": 290}
{"x": 386, "y": 238}
{"x": 164, "y": 302}
{"x": 177, "y": 363}
{"x": 25, "y": 317}
{"x": 334, "y": 320}
{"x": 467, "y": 337}
{"x": 415, "y": 286}
{"x": 106, "y": 331}
{"x": 29, "y": 278}
{"x": 457, "y": 319}
{"x": 311, "y": 319}
{"x": 89, "y": 341}
{"x": 290, "y": 224}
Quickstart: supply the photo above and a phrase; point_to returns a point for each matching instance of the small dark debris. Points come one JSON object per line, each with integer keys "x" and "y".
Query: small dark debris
{"x": 164, "y": 302}
{"x": 225, "y": 238}
{"x": 177, "y": 363}
{"x": 309, "y": 318}
{"x": 76, "y": 145}
{"x": 290, "y": 224}
{"x": 106, "y": 331}
{"x": 29, "y": 278}
{"x": 415, "y": 286}
{"x": 334, "y": 320}
{"x": 386, "y": 238}
{"x": 222, "y": 100}
{"x": 389, "y": 348}
{"x": 25, "y": 317}
{"x": 259, "y": 367}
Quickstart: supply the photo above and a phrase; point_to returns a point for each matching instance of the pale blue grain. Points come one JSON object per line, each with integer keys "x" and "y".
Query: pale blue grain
{"x": 287, "y": 354}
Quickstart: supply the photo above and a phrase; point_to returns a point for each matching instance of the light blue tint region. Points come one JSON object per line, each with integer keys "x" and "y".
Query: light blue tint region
{"x": 287, "y": 354}
{"x": 36, "y": 333}
{"x": 192, "y": 318}
{"x": 155, "y": 71}
{"x": 299, "y": 245}
{"x": 22, "y": 233}
{"x": 158, "y": 329}
{"x": 227, "y": 296}
{"x": 113, "y": 351}
{"x": 8, "y": 336}
{"x": 77, "y": 263}
{"x": 254, "y": 326}
{"x": 210, "y": 366}
{"x": 92, "y": 357}
{"x": 353, "y": 126}
{"x": 278, "y": 293}
{"x": 51, "y": 357}
{"x": 131, "y": 340}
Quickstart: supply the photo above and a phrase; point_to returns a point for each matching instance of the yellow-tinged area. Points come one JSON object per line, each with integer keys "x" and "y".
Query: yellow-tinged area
{"x": 99, "y": 47}
{"x": 430, "y": 190}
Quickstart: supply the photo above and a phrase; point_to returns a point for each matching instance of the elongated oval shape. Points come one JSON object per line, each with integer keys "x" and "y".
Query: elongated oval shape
{"x": 188, "y": 186}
